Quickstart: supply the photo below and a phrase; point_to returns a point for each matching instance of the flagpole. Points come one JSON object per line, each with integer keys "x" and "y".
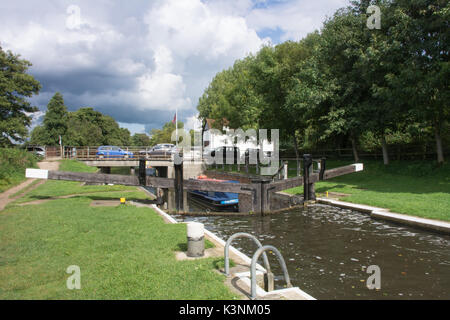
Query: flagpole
{"x": 176, "y": 125}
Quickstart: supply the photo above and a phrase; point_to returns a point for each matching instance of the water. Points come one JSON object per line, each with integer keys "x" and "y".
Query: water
{"x": 328, "y": 249}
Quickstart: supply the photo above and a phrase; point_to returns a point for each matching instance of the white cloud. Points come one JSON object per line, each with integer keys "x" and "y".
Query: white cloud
{"x": 192, "y": 123}
{"x": 140, "y": 61}
{"x": 295, "y": 18}
{"x": 191, "y": 28}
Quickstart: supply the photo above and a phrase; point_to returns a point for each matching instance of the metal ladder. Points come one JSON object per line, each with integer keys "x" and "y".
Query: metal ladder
{"x": 261, "y": 250}
{"x": 253, "y": 268}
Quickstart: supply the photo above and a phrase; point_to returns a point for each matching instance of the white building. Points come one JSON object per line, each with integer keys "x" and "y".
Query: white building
{"x": 215, "y": 138}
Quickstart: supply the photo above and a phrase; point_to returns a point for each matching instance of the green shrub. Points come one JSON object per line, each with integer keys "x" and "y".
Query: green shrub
{"x": 13, "y": 163}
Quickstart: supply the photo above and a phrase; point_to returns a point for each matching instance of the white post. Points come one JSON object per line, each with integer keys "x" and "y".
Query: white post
{"x": 285, "y": 170}
{"x": 195, "y": 239}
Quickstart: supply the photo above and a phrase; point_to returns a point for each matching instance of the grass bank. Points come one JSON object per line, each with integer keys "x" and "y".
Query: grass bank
{"x": 123, "y": 252}
{"x": 53, "y": 188}
{"x": 13, "y": 163}
{"x": 409, "y": 187}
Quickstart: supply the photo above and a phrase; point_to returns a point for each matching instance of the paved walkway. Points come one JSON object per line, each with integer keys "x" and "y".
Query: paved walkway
{"x": 5, "y": 196}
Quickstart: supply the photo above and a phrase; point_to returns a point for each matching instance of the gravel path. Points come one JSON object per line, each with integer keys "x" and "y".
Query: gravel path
{"x": 5, "y": 196}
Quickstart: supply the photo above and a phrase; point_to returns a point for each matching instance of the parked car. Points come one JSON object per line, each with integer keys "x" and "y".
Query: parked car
{"x": 113, "y": 152}
{"x": 39, "y": 151}
{"x": 162, "y": 149}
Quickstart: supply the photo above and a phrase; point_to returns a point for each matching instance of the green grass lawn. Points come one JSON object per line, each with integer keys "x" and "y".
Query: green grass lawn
{"x": 123, "y": 252}
{"x": 54, "y": 188}
{"x": 410, "y": 187}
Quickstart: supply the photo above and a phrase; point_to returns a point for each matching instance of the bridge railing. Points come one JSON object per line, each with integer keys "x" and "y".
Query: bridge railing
{"x": 90, "y": 153}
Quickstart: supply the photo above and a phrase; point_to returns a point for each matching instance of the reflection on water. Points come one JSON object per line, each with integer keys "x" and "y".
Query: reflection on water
{"x": 327, "y": 250}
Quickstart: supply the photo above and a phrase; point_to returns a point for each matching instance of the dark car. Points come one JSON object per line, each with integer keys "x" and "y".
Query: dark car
{"x": 163, "y": 149}
{"x": 37, "y": 150}
{"x": 113, "y": 152}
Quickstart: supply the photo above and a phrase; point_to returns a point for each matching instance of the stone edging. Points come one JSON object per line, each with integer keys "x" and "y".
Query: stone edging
{"x": 245, "y": 277}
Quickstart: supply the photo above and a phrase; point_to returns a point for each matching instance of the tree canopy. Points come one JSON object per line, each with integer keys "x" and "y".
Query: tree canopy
{"x": 15, "y": 87}
{"x": 84, "y": 127}
{"x": 347, "y": 82}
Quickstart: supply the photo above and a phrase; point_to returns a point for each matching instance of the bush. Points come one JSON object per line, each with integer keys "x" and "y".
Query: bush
{"x": 13, "y": 163}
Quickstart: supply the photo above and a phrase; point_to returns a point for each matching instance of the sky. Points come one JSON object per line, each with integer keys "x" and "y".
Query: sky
{"x": 140, "y": 61}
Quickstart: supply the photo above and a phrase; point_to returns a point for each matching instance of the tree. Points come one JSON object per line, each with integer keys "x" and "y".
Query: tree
{"x": 54, "y": 124}
{"x": 15, "y": 87}
{"x": 140, "y": 139}
{"x": 164, "y": 135}
{"x": 231, "y": 96}
{"x": 422, "y": 31}
{"x": 84, "y": 127}
{"x": 55, "y": 119}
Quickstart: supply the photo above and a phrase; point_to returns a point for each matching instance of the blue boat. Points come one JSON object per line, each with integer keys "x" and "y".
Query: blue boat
{"x": 216, "y": 199}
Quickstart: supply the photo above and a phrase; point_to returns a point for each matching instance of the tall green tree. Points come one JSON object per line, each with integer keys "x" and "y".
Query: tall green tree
{"x": 422, "y": 31}
{"x": 15, "y": 87}
{"x": 231, "y": 96}
{"x": 140, "y": 139}
{"x": 84, "y": 127}
{"x": 164, "y": 135}
{"x": 55, "y": 119}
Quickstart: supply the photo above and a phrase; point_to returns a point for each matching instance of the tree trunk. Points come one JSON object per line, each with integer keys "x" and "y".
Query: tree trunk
{"x": 385, "y": 151}
{"x": 439, "y": 150}
{"x": 355, "y": 151}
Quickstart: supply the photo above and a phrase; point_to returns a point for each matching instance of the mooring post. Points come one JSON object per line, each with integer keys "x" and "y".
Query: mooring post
{"x": 307, "y": 166}
{"x": 238, "y": 159}
{"x": 179, "y": 201}
{"x": 247, "y": 160}
{"x": 286, "y": 168}
{"x": 261, "y": 201}
{"x": 322, "y": 168}
{"x": 195, "y": 239}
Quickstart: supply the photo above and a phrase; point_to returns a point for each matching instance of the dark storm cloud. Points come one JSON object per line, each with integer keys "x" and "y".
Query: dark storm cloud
{"x": 136, "y": 61}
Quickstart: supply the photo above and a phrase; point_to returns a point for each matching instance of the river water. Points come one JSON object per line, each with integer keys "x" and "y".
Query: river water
{"x": 327, "y": 251}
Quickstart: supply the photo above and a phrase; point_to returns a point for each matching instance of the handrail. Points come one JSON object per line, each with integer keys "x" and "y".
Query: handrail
{"x": 278, "y": 171}
{"x": 242, "y": 235}
{"x": 253, "y": 267}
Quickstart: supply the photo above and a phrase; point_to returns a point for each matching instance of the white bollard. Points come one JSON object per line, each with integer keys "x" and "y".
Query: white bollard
{"x": 195, "y": 239}
{"x": 285, "y": 170}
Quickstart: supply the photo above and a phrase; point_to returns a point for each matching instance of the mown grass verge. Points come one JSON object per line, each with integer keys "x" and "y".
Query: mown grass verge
{"x": 416, "y": 188}
{"x": 53, "y": 188}
{"x": 123, "y": 252}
